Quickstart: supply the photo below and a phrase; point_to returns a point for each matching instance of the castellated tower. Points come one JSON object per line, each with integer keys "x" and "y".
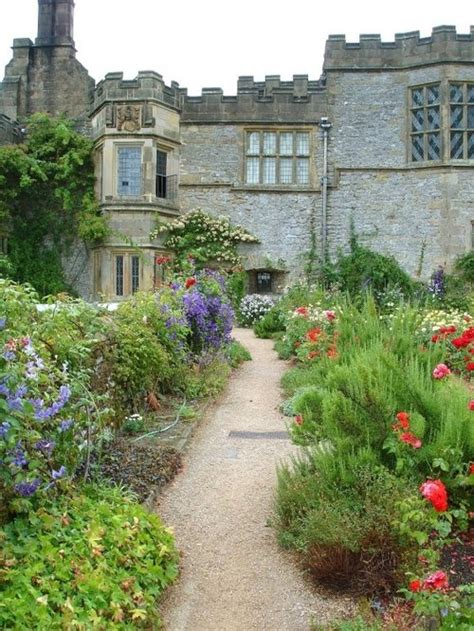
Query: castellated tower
{"x": 46, "y": 76}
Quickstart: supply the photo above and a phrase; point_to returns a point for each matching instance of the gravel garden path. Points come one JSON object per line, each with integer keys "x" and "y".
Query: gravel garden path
{"x": 234, "y": 576}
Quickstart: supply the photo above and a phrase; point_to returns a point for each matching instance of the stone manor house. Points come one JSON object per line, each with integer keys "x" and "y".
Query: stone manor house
{"x": 384, "y": 138}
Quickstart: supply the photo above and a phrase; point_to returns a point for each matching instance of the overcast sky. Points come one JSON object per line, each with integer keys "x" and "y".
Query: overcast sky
{"x": 205, "y": 43}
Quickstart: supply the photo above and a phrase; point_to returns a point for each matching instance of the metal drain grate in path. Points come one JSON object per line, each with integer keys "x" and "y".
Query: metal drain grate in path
{"x": 260, "y": 435}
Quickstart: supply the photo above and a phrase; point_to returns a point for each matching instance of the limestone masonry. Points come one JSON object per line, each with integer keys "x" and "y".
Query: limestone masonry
{"x": 384, "y": 138}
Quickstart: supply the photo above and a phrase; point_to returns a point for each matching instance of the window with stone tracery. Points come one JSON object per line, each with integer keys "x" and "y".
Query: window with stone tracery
{"x": 461, "y": 126}
{"x": 425, "y": 123}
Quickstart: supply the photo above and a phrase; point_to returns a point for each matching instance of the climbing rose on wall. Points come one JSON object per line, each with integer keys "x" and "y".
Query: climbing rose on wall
{"x": 435, "y": 492}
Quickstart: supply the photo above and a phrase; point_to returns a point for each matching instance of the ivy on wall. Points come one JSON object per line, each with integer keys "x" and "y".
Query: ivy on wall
{"x": 47, "y": 201}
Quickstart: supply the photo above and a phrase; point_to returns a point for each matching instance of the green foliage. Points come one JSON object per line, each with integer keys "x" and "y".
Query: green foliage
{"x": 204, "y": 238}
{"x": 238, "y": 354}
{"x": 236, "y": 286}
{"x": 272, "y": 322}
{"x": 465, "y": 266}
{"x": 93, "y": 560}
{"x": 47, "y": 200}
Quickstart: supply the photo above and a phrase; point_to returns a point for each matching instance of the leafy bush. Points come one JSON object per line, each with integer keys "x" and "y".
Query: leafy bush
{"x": 94, "y": 560}
{"x": 238, "y": 354}
{"x": 465, "y": 266}
{"x": 253, "y": 307}
{"x": 272, "y": 322}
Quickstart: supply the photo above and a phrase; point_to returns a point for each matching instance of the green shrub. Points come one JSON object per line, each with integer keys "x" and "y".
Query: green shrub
{"x": 272, "y": 322}
{"x": 465, "y": 266}
{"x": 238, "y": 354}
{"x": 96, "y": 560}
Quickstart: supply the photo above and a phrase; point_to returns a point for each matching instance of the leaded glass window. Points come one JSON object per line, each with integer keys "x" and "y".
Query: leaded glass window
{"x": 461, "y": 108}
{"x": 425, "y": 123}
{"x": 119, "y": 275}
{"x": 135, "y": 272}
{"x": 264, "y": 282}
{"x": 277, "y": 157}
{"x": 129, "y": 172}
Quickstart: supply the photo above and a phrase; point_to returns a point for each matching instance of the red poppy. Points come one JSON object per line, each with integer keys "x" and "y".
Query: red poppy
{"x": 435, "y": 338}
{"x": 435, "y": 492}
{"x": 403, "y": 420}
{"x": 313, "y": 334}
{"x": 437, "y": 580}
{"x": 189, "y": 282}
{"x": 301, "y": 311}
{"x": 415, "y": 586}
{"x": 470, "y": 405}
{"x": 410, "y": 439}
{"x": 471, "y": 468}
{"x": 470, "y": 366}
{"x": 298, "y": 419}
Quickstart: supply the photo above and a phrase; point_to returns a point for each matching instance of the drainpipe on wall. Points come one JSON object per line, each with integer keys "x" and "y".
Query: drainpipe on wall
{"x": 325, "y": 126}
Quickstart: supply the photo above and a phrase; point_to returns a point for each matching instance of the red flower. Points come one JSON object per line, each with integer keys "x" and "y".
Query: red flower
{"x": 410, "y": 439}
{"x": 313, "y": 354}
{"x": 301, "y": 311}
{"x": 330, "y": 315}
{"x": 471, "y": 468}
{"x": 470, "y": 405}
{"x": 332, "y": 352}
{"x": 415, "y": 586}
{"x": 298, "y": 419}
{"x": 435, "y": 338}
{"x": 437, "y": 580}
{"x": 313, "y": 334}
{"x": 162, "y": 260}
{"x": 189, "y": 282}
{"x": 403, "y": 420}
{"x": 435, "y": 492}
{"x": 460, "y": 342}
{"x": 470, "y": 366}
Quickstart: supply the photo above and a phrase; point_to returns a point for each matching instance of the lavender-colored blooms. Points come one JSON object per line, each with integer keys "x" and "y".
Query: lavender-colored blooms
{"x": 436, "y": 287}
{"x": 210, "y": 320}
{"x": 15, "y": 404}
{"x": 21, "y": 391}
{"x": 20, "y": 459}
{"x": 4, "y": 389}
{"x": 25, "y": 489}
{"x": 46, "y": 446}
{"x": 4, "y": 427}
{"x": 9, "y": 356}
{"x": 3, "y": 323}
{"x": 57, "y": 475}
{"x": 42, "y": 413}
{"x": 66, "y": 424}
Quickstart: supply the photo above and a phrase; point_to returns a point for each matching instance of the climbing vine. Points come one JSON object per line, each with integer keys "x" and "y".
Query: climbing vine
{"x": 47, "y": 201}
{"x": 204, "y": 238}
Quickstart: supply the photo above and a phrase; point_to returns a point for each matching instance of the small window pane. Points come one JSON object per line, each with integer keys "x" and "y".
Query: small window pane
{"x": 417, "y": 120}
{"x": 470, "y": 117}
{"x": 253, "y": 143}
{"x": 433, "y": 118}
{"x": 470, "y": 145}
{"x": 432, "y": 92}
{"x": 470, "y": 93}
{"x": 269, "y": 170}
{"x": 264, "y": 282}
{"x": 456, "y": 116}
{"x": 302, "y": 144}
{"x": 286, "y": 171}
{"x": 119, "y": 275}
{"x": 417, "y": 97}
{"x": 417, "y": 148}
{"x": 456, "y": 145}
{"x": 135, "y": 273}
{"x": 302, "y": 171}
{"x": 434, "y": 146}
{"x": 129, "y": 171}
{"x": 253, "y": 170}
{"x": 455, "y": 93}
{"x": 269, "y": 144}
{"x": 286, "y": 144}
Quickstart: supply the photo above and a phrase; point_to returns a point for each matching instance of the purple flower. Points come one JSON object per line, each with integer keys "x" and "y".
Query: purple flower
{"x": 9, "y": 356}
{"x": 3, "y": 322}
{"x": 27, "y": 488}
{"x": 19, "y": 457}
{"x": 4, "y": 427}
{"x": 15, "y": 404}
{"x": 65, "y": 425}
{"x": 46, "y": 446}
{"x": 57, "y": 475}
{"x": 4, "y": 389}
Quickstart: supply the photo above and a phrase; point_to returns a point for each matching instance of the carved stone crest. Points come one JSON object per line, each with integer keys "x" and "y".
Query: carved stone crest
{"x": 128, "y": 118}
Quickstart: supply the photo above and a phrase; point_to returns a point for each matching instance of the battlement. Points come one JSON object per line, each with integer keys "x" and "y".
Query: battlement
{"x": 148, "y": 85}
{"x": 408, "y": 50}
{"x": 257, "y": 101}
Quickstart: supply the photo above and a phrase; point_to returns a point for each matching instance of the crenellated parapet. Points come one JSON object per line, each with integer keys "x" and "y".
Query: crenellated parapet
{"x": 147, "y": 86}
{"x": 409, "y": 50}
{"x": 300, "y": 100}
